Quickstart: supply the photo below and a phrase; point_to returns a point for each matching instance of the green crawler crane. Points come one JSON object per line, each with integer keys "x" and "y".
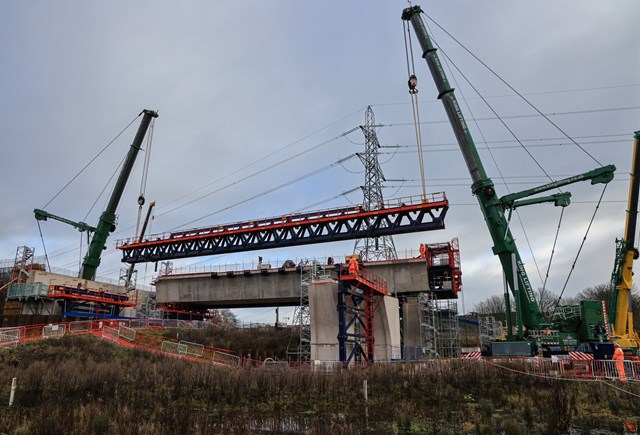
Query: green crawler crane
{"x": 572, "y": 326}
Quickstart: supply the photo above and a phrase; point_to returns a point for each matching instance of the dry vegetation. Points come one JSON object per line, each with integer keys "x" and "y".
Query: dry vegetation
{"x": 81, "y": 385}
{"x": 259, "y": 343}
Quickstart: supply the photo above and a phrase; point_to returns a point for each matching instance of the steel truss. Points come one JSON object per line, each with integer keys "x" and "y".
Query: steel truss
{"x": 404, "y": 215}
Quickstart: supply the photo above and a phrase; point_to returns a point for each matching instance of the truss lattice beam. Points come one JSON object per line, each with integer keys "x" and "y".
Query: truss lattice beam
{"x": 399, "y": 216}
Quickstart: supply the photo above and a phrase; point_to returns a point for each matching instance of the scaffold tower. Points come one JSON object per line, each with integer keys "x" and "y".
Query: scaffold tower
{"x": 439, "y": 327}
{"x": 310, "y": 271}
{"x": 490, "y": 330}
{"x": 22, "y": 264}
{"x": 381, "y": 247}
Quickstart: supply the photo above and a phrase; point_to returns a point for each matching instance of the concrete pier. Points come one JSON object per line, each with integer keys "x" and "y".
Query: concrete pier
{"x": 323, "y": 300}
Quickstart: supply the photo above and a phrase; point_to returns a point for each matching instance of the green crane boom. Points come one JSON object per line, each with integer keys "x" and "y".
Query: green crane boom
{"x": 493, "y": 207}
{"x": 107, "y": 222}
{"x": 42, "y": 215}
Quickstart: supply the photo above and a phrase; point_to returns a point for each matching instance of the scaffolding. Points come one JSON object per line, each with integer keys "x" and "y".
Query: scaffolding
{"x": 22, "y": 264}
{"x": 33, "y": 297}
{"x": 439, "y": 327}
{"x": 310, "y": 271}
{"x": 490, "y": 330}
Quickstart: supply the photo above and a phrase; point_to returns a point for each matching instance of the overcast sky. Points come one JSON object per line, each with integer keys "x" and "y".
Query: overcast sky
{"x": 244, "y": 87}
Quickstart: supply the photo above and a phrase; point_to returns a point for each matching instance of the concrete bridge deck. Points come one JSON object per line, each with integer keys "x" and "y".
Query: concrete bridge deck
{"x": 279, "y": 286}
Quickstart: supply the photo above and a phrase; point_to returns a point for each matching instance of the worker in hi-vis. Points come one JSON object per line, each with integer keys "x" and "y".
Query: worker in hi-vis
{"x": 618, "y": 357}
{"x": 353, "y": 266}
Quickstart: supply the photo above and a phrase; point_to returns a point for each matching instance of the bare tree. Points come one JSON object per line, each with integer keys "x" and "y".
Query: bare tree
{"x": 225, "y": 318}
{"x": 491, "y": 306}
{"x": 547, "y": 301}
{"x": 495, "y": 304}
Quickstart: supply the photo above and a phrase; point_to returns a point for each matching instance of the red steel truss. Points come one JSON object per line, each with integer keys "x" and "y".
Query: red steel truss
{"x": 397, "y": 216}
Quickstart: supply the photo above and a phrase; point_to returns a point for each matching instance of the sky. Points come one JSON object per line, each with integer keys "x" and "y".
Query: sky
{"x": 255, "y": 95}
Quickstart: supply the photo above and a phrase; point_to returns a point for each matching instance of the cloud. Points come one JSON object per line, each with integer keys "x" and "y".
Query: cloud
{"x": 235, "y": 84}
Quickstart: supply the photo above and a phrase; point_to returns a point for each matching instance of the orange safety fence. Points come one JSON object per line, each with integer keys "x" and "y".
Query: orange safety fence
{"x": 41, "y": 331}
{"x": 567, "y": 367}
{"x": 131, "y": 333}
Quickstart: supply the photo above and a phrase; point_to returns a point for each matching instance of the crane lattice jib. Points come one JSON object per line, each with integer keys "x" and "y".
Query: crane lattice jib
{"x": 397, "y": 216}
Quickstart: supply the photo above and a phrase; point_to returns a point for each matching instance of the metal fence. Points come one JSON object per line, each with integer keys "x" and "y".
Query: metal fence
{"x": 9, "y": 338}
{"x": 226, "y": 359}
{"x": 126, "y": 332}
{"x": 53, "y": 331}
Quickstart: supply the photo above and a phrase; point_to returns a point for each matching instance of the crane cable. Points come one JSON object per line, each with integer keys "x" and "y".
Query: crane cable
{"x": 413, "y": 91}
{"x": 46, "y": 257}
{"x": 91, "y": 161}
{"x": 107, "y": 184}
{"x": 71, "y": 181}
{"x": 145, "y": 173}
{"x": 553, "y": 250}
{"x": 584, "y": 239}
{"x": 448, "y": 60}
{"x": 521, "y": 144}
{"x": 514, "y": 90}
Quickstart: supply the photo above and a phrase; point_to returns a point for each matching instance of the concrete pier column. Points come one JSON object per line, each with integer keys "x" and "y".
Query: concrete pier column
{"x": 323, "y": 313}
{"x": 411, "y": 329}
{"x": 323, "y": 300}
{"x": 387, "y": 330}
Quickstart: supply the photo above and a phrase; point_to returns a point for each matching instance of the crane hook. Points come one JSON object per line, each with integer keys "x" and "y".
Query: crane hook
{"x": 413, "y": 82}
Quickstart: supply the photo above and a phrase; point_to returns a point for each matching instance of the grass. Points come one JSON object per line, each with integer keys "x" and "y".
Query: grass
{"x": 82, "y": 385}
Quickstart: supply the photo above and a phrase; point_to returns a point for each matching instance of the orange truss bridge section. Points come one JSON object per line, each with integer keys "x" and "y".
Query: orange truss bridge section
{"x": 397, "y": 216}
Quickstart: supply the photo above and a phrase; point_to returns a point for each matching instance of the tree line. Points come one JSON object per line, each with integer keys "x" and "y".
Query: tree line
{"x": 547, "y": 299}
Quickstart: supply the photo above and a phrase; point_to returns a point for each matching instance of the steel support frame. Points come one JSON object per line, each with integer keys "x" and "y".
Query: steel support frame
{"x": 355, "y": 310}
{"x": 94, "y": 308}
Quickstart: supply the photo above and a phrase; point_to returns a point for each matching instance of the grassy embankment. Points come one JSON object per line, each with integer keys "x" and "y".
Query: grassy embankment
{"x": 81, "y": 385}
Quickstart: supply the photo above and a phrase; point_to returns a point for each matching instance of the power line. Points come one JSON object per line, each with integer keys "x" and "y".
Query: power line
{"x": 524, "y": 93}
{"x": 532, "y": 115}
{"x": 273, "y": 189}
{"x": 266, "y": 156}
{"x": 273, "y": 166}
{"x": 510, "y": 87}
